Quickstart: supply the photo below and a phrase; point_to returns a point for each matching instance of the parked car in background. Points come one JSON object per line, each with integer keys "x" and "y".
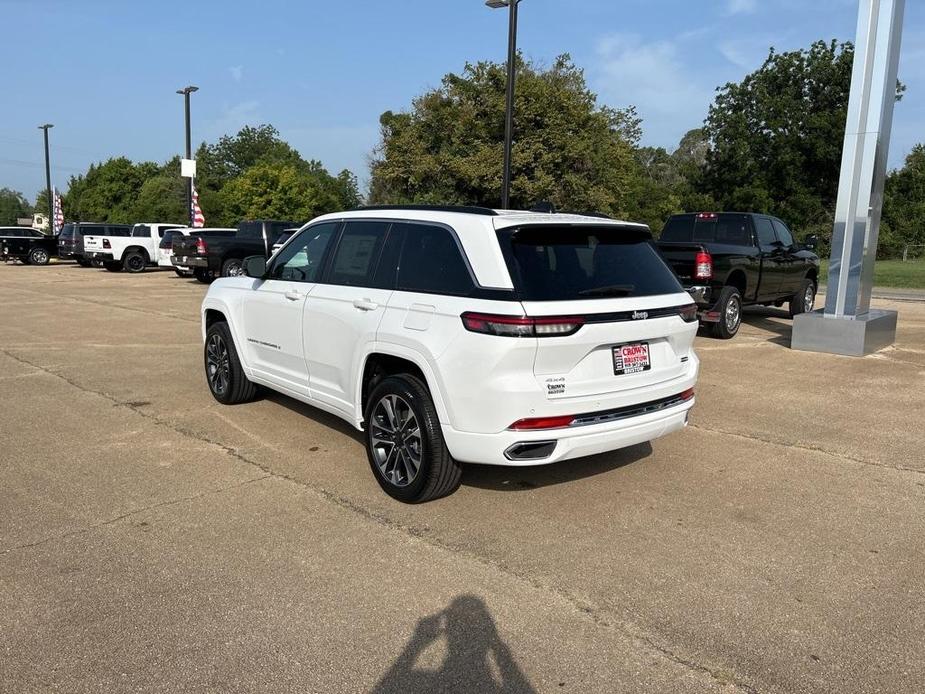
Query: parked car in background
{"x": 188, "y": 252}
{"x": 165, "y": 250}
{"x": 454, "y": 335}
{"x": 131, "y": 253}
{"x": 285, "y": 236}
{"x": 728, "y": 260}
{"x": 28, "y": 245}
{"x": 220, "y": 255}
{"x": 71, "y": 238}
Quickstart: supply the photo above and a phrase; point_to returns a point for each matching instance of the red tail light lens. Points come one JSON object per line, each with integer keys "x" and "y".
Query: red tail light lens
{"x": 106, "y": 243}
{"x": 688, "y": 313}
{"x": 703, "y": 269}
{"x": 533, "y": 423}
{"x": 521, "y": 326}
{"x": 201, "y": 247}
{"x": 687, "y": 394}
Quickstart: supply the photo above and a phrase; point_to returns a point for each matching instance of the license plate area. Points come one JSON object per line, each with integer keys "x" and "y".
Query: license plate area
{"x": 631, "y": 358}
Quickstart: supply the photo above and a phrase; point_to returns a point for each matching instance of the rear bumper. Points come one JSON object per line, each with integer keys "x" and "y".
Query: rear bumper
{"x": 102, "y": 257}
{"x": 189, "y": 261}
{"x": 570, "y": 442}
{"x": 703, "y": 296}
{"x": 69, "y": 254}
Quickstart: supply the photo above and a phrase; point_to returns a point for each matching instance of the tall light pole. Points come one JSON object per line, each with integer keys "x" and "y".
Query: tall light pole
{"x": 51, "y": 202}
{"x": 509, "y": 103}
{"x": 186, "y": 91}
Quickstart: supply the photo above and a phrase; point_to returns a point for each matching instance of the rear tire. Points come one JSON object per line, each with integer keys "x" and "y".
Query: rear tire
{"x": 224, "y": 372}
{"x": 233, "y": 267}
{"x": 113, "y": 265}
{"x": 37, "y": 256}
{"x": 135, "y": 261}
{"x": 204, "y": 275}
{"x": 730, "y": 314}
{"x": 804, "y": 300}
{"x": 403, "y": 431}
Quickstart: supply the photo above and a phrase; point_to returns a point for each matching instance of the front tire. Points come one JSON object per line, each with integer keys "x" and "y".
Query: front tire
{"x": 135, "y": 262}
{"x": 224, "y": 372}
{"x": 804, "y": 300}
{"x": 38, "y": 256}
{"x": 404, "y": 442}
{"x": 233, "y": 267}
{"x": 730, "y": 314}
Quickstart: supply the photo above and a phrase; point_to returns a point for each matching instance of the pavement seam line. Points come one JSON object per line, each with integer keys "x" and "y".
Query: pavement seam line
{"x": 802, "y": 447}
{"x": 593, "y": 612}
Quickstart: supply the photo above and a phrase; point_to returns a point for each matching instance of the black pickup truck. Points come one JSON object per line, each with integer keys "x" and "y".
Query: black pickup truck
{"x": 212, "y": 255}
{"x": 727, "y": 260}
{"x": 29, "y": 245}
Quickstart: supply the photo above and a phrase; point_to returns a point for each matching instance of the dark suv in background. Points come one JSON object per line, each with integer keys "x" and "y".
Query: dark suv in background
{"x": 71, "y": 239}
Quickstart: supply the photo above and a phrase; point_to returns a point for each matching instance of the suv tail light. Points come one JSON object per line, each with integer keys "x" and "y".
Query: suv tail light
{"x": 201, "y": 247}
{"x": 703, "y": 266}
{"x": 521, "y": 326}
{"x": 688, "y": 313}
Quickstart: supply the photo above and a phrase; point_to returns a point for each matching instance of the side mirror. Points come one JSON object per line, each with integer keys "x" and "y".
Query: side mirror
{"x": 255, "y": 266}
{"x": 811, "y": 242}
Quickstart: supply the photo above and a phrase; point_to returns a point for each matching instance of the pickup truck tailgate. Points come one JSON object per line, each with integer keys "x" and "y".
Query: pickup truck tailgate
{"x": 682, "y": 258}
{"x": 93, "y": 244}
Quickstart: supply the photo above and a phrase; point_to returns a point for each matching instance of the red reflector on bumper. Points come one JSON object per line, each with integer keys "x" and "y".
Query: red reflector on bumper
{"x": 542, "y": 423}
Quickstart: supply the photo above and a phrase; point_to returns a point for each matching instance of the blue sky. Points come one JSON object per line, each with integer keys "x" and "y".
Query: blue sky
{"x": 105, "y": 71}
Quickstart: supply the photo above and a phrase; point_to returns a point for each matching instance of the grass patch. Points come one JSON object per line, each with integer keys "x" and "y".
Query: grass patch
{"x": 892, "y": 273}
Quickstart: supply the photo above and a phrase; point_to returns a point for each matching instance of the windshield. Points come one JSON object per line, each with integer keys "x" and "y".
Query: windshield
{"x": 556, "y": 263}
{"x": 708, "y": 227}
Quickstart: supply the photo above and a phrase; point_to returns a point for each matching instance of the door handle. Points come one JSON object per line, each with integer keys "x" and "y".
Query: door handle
{"x": 365, "y": 304}
{"x": 293, "y": 295}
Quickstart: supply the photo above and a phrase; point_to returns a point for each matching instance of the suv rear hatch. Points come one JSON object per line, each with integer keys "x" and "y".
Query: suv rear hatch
{"x": 631, "y": 319}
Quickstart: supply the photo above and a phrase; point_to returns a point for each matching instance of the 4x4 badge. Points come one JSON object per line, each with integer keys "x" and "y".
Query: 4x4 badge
{"x": 640, "y": 315}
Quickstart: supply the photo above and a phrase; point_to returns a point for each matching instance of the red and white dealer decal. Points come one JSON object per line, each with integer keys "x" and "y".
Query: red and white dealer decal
{"x": 630, "y": 359}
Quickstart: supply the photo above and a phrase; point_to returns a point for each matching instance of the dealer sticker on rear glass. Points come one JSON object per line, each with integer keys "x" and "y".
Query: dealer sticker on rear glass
{"x": 630, "y": 359}
{"x": 555, "y": 387}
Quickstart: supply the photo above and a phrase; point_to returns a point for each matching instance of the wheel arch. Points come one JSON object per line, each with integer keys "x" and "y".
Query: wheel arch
{"x": 736, "y": 278}
{"x": 140, "y": 249}
{"x": 381, "y": 361}
{"x": 214, "y": 311}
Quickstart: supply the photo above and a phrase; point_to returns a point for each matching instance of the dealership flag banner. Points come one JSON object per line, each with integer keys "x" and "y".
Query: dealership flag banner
{"x": 199, "y": 220}
{"x": 59, "y": 213}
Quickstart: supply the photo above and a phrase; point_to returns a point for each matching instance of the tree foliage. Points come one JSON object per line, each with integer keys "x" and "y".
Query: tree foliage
{"x": 13, "y": 205}
{"x": 567, "y": 149}
{"x": 903, "y": 221}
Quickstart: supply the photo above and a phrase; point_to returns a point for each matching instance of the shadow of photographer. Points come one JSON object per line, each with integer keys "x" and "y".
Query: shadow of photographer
{"x": 476, "y": 658}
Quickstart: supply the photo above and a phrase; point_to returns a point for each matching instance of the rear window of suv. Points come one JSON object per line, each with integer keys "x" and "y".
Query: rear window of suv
{"x": 724, "y": 227}
{"x": 566, "y": 263}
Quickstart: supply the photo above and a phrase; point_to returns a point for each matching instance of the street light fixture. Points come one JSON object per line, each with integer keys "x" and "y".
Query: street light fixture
{"x": 509, "y": 102}
{"x": 51, "y": 202}
{"x": 186, "y": 91}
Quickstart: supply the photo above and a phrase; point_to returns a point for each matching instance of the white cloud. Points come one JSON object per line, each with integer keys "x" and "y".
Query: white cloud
{"x": 748, "y": 52}
{"x": 669, "y": 96}
{"x": 237, "y": 72}
{"x": 741, "y": 6}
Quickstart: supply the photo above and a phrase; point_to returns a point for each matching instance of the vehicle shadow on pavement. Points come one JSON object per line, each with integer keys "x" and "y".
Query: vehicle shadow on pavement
{"x": 320, "y": 416}
{"x": 519, "y": 479}
{"x": 759, "y": 317}
{"x": 475, "y": 660}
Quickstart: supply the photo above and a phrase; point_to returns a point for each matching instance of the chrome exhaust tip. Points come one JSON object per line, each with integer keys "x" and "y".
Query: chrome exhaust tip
{"x": 530, "y": 450}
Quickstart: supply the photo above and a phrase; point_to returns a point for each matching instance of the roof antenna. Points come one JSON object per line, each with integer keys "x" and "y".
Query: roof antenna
{"x": 543, "y": 206}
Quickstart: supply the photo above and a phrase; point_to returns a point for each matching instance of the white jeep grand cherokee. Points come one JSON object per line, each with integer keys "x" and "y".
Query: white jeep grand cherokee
{"x": 462, "y": 335}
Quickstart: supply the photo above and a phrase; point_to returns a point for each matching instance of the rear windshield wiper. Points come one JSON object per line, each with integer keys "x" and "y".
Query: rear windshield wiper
{"x": 609, "y": 290}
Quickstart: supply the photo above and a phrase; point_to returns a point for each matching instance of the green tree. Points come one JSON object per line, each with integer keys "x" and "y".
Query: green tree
{"x": 567, "y": 149}
{"x": 108, "y": 192}
{"x": 904, "y": 206}
{"x": 13, "y": 205}
{"x": 162, "y": 197}
{"x": 776, "y": 136}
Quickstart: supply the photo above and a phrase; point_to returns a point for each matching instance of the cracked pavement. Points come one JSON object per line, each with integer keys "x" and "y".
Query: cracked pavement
{"x": 151, "y": 539}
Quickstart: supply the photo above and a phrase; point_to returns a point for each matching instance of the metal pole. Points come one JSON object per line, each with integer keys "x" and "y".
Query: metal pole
{"x": 189, "y": 155}
{"x": 509, "y": 104}
{"x": 51, "y": 201}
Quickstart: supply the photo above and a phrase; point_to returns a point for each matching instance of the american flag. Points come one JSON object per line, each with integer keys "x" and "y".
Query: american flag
{"x": 59, "y": 213}
{"x": 199, "y": 219}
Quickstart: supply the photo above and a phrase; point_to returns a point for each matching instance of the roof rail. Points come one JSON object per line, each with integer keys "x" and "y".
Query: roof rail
{"x": 466, "y": 209}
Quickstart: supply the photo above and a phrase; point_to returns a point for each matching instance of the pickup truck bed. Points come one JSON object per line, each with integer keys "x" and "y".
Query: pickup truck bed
{"x": 215, "y": 253}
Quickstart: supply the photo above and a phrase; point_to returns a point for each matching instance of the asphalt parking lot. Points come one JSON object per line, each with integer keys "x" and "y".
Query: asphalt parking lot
{"x": 151, "y": 539}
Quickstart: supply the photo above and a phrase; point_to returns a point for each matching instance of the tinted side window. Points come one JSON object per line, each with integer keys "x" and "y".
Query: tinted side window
{"x": 783, "y": 233}
{"x": 765, "y": 231}
{"x": 431, "y": 261}
{"x": 357, "y": 251}
{"x": 142, "y": 231}
{"x": 301, "y": 260}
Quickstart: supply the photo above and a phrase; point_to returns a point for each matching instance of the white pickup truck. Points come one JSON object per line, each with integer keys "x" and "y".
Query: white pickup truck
{"x": 132, "y": 253}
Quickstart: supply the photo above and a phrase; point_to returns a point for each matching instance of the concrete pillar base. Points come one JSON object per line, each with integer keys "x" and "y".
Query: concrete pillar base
{"x": 854, "y": 337}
